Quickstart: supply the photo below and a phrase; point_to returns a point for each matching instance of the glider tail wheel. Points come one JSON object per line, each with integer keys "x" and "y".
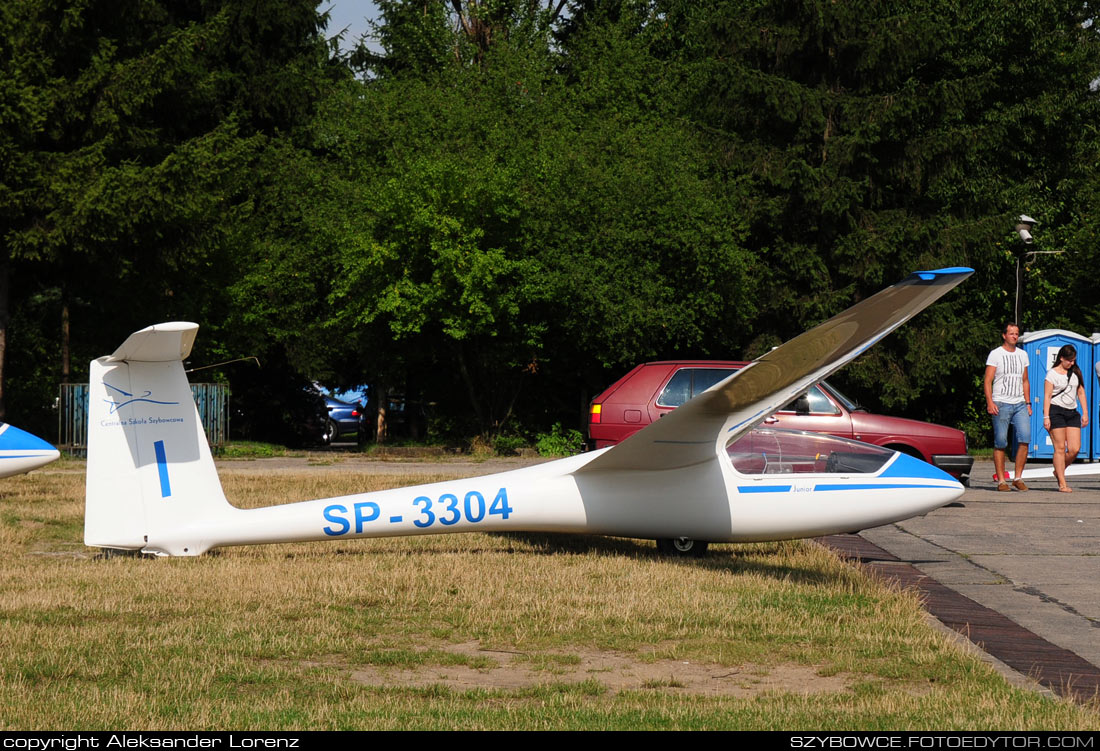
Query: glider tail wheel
{"x": 683, "y": 547}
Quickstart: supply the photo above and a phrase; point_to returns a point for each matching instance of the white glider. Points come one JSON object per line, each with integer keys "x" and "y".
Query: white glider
{"x": 701, "y": 473}
{"x": 21, "y": 452}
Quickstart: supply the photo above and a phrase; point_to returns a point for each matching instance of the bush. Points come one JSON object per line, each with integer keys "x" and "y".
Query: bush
{"x": 508, "y": 445}
{"x": 559, "y": 442}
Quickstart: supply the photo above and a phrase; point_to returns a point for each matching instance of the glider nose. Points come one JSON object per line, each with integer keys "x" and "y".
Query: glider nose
{"x": 939, "y": 488}
{"x": 48, "y": 455}
{"x": 22, "y": 452}
{"x": 910, "y": 466}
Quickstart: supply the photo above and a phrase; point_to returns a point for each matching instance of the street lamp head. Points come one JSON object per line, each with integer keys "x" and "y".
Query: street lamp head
{"x": 1023, "y": 228}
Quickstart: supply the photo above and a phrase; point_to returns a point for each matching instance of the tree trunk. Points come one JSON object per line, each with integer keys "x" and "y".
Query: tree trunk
{"x": 65, "y": 359}
{"x": 383, "y": 401}
{"x": 4, "y": 301}
{"x": 471, "y": 391}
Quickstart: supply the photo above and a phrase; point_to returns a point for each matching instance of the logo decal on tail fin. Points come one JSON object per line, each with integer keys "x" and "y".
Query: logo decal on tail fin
{"x": 117, "y": 405}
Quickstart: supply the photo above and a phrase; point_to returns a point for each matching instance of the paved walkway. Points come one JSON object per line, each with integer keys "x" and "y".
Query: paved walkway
{"x": 1033, "y": 557}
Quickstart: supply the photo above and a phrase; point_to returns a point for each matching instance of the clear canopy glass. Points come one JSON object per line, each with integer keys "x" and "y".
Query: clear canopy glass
{"x": 770, "y": 451}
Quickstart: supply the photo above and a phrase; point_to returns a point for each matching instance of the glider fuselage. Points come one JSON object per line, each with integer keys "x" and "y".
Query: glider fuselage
{"x": 711, "y": 501}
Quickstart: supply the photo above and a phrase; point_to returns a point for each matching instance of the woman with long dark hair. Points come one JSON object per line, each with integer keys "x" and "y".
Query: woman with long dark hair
{"x": 1062, "y": 390}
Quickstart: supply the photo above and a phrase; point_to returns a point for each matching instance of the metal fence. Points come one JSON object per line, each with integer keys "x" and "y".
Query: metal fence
{"x": 212, "y": 400}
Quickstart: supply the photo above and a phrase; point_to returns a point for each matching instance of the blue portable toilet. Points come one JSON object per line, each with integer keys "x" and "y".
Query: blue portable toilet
{"x": 1041, "y": 348}
{"x": 1093, "y": 394}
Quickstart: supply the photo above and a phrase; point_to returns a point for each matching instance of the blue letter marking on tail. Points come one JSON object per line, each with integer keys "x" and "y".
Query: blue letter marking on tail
{"x": 162, "y": 468}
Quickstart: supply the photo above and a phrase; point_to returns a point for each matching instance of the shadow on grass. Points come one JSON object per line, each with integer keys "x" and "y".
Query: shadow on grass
{"x": 770, "y": 560}
{"x": 736, "y": 558}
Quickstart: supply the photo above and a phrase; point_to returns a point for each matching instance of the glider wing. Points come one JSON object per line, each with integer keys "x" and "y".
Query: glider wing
{"x": 694, "y": 432}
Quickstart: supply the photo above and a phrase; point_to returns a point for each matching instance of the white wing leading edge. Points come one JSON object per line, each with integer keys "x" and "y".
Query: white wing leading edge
{"x": 696, "y": 431}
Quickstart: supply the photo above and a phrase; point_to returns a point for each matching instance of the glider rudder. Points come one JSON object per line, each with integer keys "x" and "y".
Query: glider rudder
{"x": 149, "y": 465}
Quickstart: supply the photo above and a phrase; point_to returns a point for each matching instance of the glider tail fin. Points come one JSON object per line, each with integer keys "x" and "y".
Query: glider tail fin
{"x": 150, "y": 470}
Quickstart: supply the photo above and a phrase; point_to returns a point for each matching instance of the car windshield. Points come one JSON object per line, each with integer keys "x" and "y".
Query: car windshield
{"x": 768, "y": 451}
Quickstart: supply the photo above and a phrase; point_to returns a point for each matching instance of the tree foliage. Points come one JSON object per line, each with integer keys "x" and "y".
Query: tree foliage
{"x": 517, "y": 200}
{"x": 874, "y": 145}
{"x": 134, "y": 127}
{"x": 422, "y": 37}
{"x": 495, "y": 234}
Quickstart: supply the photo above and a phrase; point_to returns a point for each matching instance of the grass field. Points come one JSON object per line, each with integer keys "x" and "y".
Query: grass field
{"x": 465, "y": 631}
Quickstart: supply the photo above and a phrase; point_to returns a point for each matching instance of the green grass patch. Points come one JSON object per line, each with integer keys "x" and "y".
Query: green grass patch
{"x": 551, "y": 663}
{"x": 253, "y": 450}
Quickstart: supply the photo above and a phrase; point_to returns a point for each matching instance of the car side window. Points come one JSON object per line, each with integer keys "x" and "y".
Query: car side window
{"x": 678, "y": 389}
{"x": 707, "y": 377}
{"x": 689, "y": 382}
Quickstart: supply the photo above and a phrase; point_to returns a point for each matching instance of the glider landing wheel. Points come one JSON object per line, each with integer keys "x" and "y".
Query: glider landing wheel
{"x": 683, "y": 547}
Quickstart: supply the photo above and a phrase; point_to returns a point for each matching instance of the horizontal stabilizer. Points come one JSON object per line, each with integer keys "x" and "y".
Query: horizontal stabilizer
{"x": 162, "y": 342}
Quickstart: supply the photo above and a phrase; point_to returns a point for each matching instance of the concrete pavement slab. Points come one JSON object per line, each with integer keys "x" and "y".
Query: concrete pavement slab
{"x": 1032, "y": 556}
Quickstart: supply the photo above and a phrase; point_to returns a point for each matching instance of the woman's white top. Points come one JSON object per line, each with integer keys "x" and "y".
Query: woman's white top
{"x": 1064, "y": 391}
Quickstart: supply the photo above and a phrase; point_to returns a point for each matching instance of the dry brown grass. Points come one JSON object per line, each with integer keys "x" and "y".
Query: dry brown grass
{"x": 394, "y": 633}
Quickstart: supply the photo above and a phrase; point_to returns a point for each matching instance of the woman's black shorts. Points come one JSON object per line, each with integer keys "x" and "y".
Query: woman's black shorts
{"x": 1060, "y": 417}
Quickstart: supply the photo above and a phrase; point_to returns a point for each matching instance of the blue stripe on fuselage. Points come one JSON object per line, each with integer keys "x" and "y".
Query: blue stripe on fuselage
{"x": 872, "y": 486}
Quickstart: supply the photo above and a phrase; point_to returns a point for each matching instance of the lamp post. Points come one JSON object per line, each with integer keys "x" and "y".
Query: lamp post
{"x": 1024, "y": 225}
{"x": 1024, "y": 256}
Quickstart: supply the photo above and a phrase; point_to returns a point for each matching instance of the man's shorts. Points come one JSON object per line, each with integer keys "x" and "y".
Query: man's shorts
{"x": 1060, "y": 417}
{"x": 1017, "y": 416}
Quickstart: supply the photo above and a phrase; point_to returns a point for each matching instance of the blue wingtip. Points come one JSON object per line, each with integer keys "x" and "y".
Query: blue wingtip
{"x": 952, "y": 271}
{"x": 20, "y": 440}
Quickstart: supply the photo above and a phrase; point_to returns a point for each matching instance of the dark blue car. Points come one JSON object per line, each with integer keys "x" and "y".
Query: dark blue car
{"x": 342, "y": 423}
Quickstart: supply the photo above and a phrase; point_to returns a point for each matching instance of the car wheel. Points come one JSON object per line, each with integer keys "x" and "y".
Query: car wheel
{"x": 683, "y": 547}
{"x": 907, "y": 450}
{"x": 330, "y": 433}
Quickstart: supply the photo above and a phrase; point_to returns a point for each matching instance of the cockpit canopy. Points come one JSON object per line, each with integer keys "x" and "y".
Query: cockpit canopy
{"x": 770, "y": 451}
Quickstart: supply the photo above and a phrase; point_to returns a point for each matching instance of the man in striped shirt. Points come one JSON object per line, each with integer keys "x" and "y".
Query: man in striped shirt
{"x": 1008, "y": 400}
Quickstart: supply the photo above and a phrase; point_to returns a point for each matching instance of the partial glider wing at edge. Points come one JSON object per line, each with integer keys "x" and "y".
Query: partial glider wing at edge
{"x": 694, "y": 432}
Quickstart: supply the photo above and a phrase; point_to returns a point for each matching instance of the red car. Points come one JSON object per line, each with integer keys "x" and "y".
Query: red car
{"x": 654, "y": 388}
